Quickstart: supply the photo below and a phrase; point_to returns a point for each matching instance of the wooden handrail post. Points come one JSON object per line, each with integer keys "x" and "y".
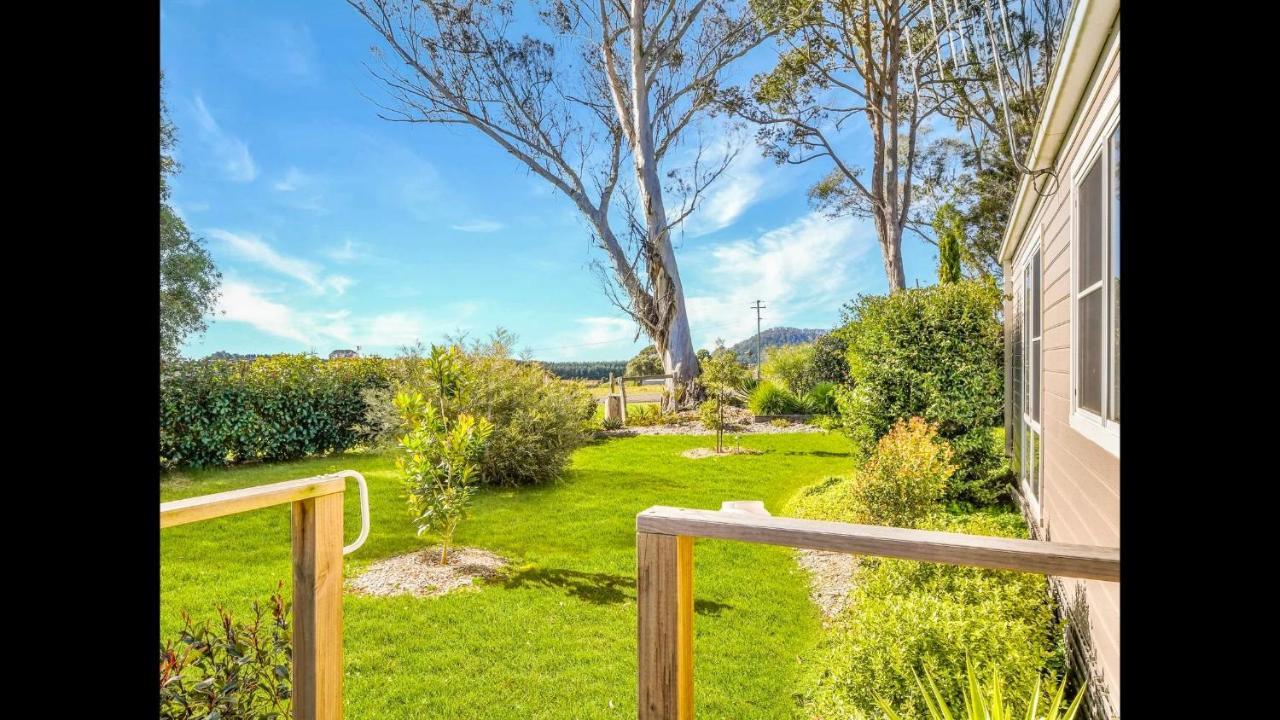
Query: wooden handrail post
{"x": 317, "y": 608}
{"x": 664, "y": 598}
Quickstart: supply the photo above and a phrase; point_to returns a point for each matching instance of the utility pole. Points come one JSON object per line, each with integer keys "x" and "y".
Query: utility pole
{"x": 759, "y": 358}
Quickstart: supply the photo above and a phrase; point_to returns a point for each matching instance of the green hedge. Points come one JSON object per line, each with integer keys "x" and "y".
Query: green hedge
{"x": 281, "y": 407}
{"x": 936, "y": 353}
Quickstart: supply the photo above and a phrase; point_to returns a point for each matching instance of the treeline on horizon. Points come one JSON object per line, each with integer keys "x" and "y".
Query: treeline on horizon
{"x": 579, "y": 370}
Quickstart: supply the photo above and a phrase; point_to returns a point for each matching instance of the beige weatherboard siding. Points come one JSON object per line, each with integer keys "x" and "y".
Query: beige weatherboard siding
{"x": 1079, "y": 499}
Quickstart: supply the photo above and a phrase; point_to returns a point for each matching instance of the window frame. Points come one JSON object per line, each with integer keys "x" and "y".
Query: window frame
{"x": 1031, "y": 428}
{"x": 1097, "y": 427}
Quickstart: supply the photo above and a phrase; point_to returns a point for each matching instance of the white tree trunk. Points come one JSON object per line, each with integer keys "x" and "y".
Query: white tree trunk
{"x": 673, "y": 340}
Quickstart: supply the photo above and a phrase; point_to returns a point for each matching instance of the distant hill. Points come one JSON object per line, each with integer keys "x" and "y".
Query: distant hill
{"x": 775, "y": 337}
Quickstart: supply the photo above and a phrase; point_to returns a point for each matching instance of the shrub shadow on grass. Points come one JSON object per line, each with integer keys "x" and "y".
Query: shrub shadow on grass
{"x": 816, "y": 453}
{"x": 595, "y": 588}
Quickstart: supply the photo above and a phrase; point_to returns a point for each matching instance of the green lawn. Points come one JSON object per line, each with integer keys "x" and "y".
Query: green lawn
{"x": 555, "y": 639}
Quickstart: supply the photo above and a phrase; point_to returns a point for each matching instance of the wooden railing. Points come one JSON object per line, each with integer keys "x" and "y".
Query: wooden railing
{"x": 317, "y": 577}
{"x": 664, "y": 575}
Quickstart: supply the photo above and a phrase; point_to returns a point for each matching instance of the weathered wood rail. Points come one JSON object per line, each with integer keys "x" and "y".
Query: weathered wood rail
{"x": 664, "y": 575}
{"x": 622, "y": 383}
{"x": 316, "y": 528}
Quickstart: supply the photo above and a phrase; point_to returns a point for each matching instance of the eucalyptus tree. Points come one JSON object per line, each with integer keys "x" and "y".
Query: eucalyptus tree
{"x": 188, "y": 278}
{"x": 575, "y": 94}
{"x": 904, "y": 66}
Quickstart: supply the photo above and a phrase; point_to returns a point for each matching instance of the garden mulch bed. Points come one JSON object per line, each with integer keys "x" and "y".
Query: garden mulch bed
{"x": 740, "y": 422}
{"x": 830, "y": 579}
{"x": 420, "y": 573}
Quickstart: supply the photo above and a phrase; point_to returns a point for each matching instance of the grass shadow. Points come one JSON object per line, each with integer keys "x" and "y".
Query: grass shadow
{"x": 816, "y": 453}
{"x": 595, "y": 588}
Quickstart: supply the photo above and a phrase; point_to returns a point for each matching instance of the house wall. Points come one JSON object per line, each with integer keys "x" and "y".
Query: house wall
{"x": 1081, "y": 502}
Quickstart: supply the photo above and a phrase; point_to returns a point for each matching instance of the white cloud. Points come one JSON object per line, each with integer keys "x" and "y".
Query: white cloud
{"x": 741, "y": 186}
{"x": 805, "y": 266}
{"x": 254, "y": 249}
{"x": 231, "y": 152}
{"x": 292, "y": 181}
{"x": 345, "y": 254}
{"x": 244, "y": 302}
{"x": 595, "y": 336}
{"x": 479, "y": 226}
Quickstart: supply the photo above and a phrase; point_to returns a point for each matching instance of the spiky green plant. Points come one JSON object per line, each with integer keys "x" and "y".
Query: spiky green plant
{"x": 986, "y": 701}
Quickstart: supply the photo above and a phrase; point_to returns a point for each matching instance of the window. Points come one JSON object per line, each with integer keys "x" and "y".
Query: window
{"x": 1097, "y": 291}
{"x": 1027, "y": 357}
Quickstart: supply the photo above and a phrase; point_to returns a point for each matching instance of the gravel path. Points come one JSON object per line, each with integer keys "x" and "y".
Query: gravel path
{"x": 830, "y": 579}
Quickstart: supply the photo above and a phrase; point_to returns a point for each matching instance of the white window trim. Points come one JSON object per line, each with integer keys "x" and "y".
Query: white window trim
{"x": 1022, "y": 261}
{"x": 1102, "y": 432}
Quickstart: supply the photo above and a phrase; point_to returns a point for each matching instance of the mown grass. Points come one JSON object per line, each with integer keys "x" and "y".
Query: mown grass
{"x": 556, "y": 637}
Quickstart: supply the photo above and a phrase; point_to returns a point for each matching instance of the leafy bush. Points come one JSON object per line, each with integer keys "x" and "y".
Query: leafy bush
{"x": 831, "y": 500}
{"x": 723, "y": 376}
{"x": 903, "y": 480}
{"x": 646, "y": 362}
{"x": 935, "y": 353}
{"x": 440, "y": 463}
{"x": 771, "y": 399}
{"x": 709, "y": 414}
{"x": 538, "y": 420}
{"x": 821, "y": 398}
{"x": 829, "y": 362}
{"x": 986, "y": 701}
{"x": 780, "y": 422}
{"x": 905, "y": 615}
{"x": 238, "y": 670}
{"x": 279, "y": 407}
{"x": 791, "y": 366}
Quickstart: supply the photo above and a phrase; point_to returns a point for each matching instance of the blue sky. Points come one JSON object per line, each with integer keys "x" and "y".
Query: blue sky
{"x": 333, "y": 228}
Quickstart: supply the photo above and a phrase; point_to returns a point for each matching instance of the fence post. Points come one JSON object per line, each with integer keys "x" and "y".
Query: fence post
{"x": 317, "y": 608}
{"x": 664, "y": 599}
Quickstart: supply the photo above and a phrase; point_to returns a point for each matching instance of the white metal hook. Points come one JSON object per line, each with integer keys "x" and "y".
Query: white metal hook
{"x": 364, "y": 510}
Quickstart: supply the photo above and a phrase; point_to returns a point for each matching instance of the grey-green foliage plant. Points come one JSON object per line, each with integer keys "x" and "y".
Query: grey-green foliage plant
{"x": 188, "y": 279}
{"x": 987, "y": 700}
{"x": 723, "y": 376}
{"x": 935, "y": 353}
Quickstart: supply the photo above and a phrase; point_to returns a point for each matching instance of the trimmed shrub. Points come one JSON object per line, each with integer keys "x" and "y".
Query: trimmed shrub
{"x": 829, "y": 362}
{"x": 936, "y": 353}
{"x": 904, "y": 616}
{"x": 904, "y": 479}
{"x": 238, "y": 670}
{"x": 538, "y": 420}
{"x": 771, "y": 399}
{"x": 279, "y": 407}
{"x": 791, "y": 366}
